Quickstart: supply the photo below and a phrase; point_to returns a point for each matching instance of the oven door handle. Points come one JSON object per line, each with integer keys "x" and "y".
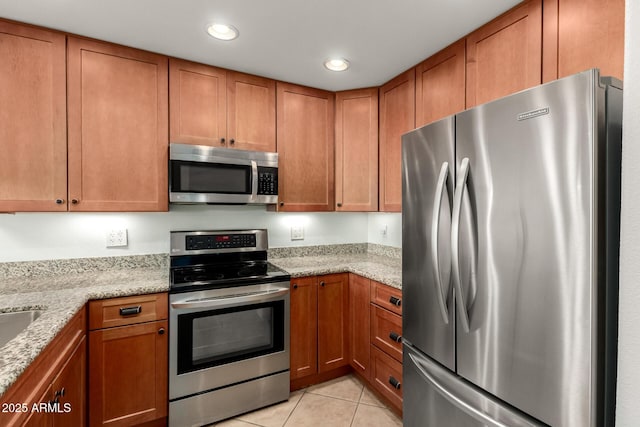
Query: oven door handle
{"x": 222, "y": 301}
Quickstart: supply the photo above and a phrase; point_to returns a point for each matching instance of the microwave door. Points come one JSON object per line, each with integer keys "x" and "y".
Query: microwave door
{"x": 223, "y": 183}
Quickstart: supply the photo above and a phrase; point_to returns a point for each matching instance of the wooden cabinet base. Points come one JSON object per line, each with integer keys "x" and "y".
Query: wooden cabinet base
{"x": 303, "y": 382}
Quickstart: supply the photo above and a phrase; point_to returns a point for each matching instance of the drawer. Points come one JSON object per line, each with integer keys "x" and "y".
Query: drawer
{"x": 113, "y": 312}
{"x": 387, "y": 376}
{"x": 386, "y": 331}
{"x": 386, "y": 297}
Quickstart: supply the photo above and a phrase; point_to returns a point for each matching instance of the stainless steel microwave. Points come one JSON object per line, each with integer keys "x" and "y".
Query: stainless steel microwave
{"x": 201, "y": 174}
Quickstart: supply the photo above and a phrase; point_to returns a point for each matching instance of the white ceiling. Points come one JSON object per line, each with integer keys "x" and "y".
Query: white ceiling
{"x": 281, "y": 39}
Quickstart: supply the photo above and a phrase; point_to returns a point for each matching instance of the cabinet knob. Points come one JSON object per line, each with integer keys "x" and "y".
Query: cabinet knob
{"x": 339, "y": 205}
{"x": 395, "y": 301}
{"x": 233, "y": 141}
{"x": 75, "y": 201}
{"x": 161, "y": 331}
{"x": 322, "y": 284}
{"x": 395, "y": 383}
{"x": 295, "y": 286}
{"x": 59, "y": 201}
{"x": 222, "y": 141}
{"x": 281, "y": 203}
{"x": 395, "y": 337}
{"x": 60, "y": 393}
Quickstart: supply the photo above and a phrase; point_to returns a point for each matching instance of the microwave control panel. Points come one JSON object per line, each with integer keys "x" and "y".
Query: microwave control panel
{"x": 268, "y": 181}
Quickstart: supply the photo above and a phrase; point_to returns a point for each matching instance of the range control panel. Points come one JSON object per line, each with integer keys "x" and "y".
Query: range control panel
{"x": 220, "y": 241}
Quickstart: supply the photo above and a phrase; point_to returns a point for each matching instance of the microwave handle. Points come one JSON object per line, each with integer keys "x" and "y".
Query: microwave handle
{"x": 254, "y": 181}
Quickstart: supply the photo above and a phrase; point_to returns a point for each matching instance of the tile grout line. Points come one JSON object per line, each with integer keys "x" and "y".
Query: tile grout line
{"x": 357, "y": 406}
{"x": 304, "y": 391}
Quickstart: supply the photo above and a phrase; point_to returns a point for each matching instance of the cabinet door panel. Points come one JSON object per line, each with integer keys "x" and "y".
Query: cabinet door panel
{"x": 198, "y": 102}
{"x": 397, "y": 116}
{"x": 33, "y": 130}
{"x": 128, "y": 374}
{"x": 505, "y": 55}
{"x": 71, "y": 384}
{"x": 359, "y": 322}
{"x": 357, "y": 150}
{"x": 251, "y": 112}
{"x": 333, "y": 309}
{"x": 304, "y": 327}
{"x": 440, "y": 84}
{"x": 306, "y": 147}
{"x": 590, "y": 35}
{"x": 117, "y": 128}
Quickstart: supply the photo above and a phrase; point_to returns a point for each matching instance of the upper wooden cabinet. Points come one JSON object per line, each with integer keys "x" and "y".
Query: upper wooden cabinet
{"x": 440, "y": 84}
{"x": 305, "y": 124}
{"x": 357, "y": 150}
{"x": 397, "y": 116}
{"x": 216, "y": 107}
{"x": 505, "y": 55}
{"x": 33, "y": 128}
{"x": 583, "y": 34}
{"x": 118, "y": 127}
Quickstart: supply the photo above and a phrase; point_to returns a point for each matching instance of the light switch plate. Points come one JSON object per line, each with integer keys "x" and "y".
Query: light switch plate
{"x": 297, "y": 232}
{"x": 117, "y": 238}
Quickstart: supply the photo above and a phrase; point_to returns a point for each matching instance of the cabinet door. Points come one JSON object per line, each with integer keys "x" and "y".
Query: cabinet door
{"x": 251, "y": 112}
{"x": 306, "y": 147}
{"x": 198, "y": 103}
{"x": 583, "y": 34}
{"x": 333, "y": 318}
{"x": 304, "y": 326}
{"x": 359, "y": 321}
{"x": 118, "y": 127}
{"x": 70, "y": 388}
{"x": 440, "y": 84}
{"x": 33, "y": 129}
{"x": 397, "y": 116}
{"x": 128, "y": 368}
{"x": 505, "y": 55}
{"x": 357, "y": 150}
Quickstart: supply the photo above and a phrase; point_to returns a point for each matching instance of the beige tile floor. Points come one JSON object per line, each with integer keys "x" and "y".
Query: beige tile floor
{"x": 343, "y": 402}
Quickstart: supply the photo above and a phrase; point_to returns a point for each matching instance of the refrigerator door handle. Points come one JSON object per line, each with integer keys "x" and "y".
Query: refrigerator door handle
{"x": 455, "y": 242}
{"x": 474, "y": 403}
{"x": 435, "y": 227}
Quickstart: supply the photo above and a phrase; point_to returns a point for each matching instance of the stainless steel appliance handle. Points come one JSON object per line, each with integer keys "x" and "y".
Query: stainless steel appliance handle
{"x": 225, "y": 300}
{"x": 455, "y": 241}
{"x": 435, "y": 228}
{"x": 254, "y": 180}
{"x": 470, "y": 401}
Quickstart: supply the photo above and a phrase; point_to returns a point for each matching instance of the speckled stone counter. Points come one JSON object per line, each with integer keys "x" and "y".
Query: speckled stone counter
{"x": 375, "y": 262}
{"x": 61, "y": 288}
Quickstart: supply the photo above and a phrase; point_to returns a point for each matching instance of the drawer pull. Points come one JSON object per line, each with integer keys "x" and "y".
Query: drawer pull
{"x": 295, "y": 286}
{"x": 395, "y": 301}
{"x": 395, "y": 383}
{"x": 161, "y": 331}
{"x": 395, "y": 337}
{"x": 129, "y": 311}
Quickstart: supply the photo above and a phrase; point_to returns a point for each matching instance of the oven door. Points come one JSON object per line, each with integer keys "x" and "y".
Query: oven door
{"x": 225, "y": 336}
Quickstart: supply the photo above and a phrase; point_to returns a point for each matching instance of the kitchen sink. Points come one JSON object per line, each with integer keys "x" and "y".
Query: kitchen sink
{"x": 11, "y": 324}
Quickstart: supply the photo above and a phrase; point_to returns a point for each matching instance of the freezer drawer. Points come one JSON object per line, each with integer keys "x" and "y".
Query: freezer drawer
{"x": 435, "y": 397}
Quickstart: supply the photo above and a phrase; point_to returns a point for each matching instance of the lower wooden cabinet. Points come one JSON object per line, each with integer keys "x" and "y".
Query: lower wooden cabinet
{"x": 359, "y": 296}
{"x": 52, "y": 390}
{"x": 128, "y": 364}
{"x": 386, "y": 376}
{"x": 386, "y": 331}
{"x": 319, "y": 326}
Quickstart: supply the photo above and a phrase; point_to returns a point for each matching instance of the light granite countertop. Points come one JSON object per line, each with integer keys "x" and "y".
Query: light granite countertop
{"x": 62, "y": 287}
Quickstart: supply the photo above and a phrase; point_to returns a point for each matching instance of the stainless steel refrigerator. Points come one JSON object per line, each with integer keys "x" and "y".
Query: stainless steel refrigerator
{"x": 510, "y": 231}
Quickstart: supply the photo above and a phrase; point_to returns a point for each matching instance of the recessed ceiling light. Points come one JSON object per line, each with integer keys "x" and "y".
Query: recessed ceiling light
{"x": 222, "y": 31}
{"x": 336, "y": 64}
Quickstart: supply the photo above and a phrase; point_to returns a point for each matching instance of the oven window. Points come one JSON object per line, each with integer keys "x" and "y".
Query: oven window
{"x": 216, "y": 337}
{"x": 197, "y": 177}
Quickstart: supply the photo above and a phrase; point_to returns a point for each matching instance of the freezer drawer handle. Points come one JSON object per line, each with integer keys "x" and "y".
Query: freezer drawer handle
{"x": 129, "y": 311}
{"x": 395, "y": 383}
{"x": 435, "y": 228}
{"x": 395, "y": 337}
{"x": 455, "y": 242}
{"x": 395, "y": 301}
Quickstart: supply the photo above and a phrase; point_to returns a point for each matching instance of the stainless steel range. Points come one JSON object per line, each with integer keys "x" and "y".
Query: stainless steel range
{"x": 229, "y": 326}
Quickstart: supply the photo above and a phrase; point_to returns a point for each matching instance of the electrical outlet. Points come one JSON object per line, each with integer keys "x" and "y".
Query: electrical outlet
{"x": 117, "y": 238}
{"x": 297, "y": 232}
{"x": 384, "y": 230}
